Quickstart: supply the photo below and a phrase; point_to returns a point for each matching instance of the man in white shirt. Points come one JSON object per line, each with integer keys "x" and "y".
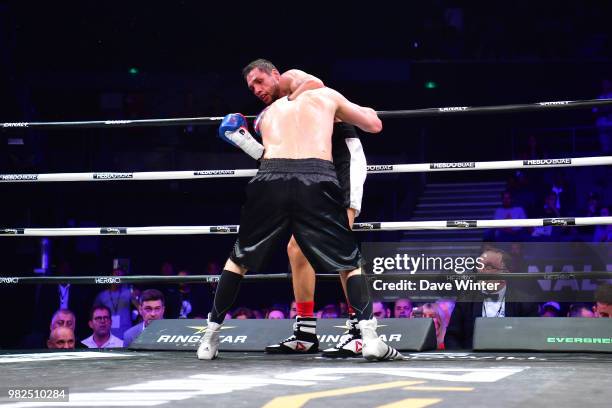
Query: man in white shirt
{"x": 100, "y": 323}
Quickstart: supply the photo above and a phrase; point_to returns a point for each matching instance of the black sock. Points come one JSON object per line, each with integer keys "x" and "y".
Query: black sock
{"x": 225, "y": 296}
{"x": 359, "y": 297}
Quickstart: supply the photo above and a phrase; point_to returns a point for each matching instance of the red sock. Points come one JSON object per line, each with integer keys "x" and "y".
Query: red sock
{"x": 305, "y": 309}
{"x": 351, "y": 311}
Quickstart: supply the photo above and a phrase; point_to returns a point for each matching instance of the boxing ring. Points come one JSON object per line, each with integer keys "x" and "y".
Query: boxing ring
{"x": 422, "y": 379}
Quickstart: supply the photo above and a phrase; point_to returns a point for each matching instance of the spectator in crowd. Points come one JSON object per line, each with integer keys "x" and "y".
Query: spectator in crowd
{"x": 550, "y": 309}
{"x": 549, "y": 210}
{"x": 329, "y": 312}
{"x": 445, "y": 309}
{"x": 63, "y": 318}
{"x": 603, "y": 300}
{"x": 430, "y": 310}
{"x": 603, "y": 233}
{"x": 61, "y": 338}
{"x": 50, "y": 298}
{"x": 293, "y": 310}
{"x": 276, "y": 312}
{"x": 186, "y": 299}
{"x": 118, "y": 298}
{"x": 531, "y": 150}
{"x": 580, "y": 310}
{"x": 469, "y": 306}
{"x": 565, "y": 193}
{"x": 152, "y": 305}
{"x": 593, "y": 205}
{"x": 243, "y": 313}
{"x": 380, "y": 310}
{"x": 402, "y": 308}
{"x": 100, "y": 322}
{"x": 505, "y": 212}
{"x": 603, "y": 118}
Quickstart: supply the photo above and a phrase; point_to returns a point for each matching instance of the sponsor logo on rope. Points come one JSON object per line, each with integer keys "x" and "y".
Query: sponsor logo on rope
{"x": 454, "y": 109}
{"x": 381, "y": 167}
{"x": 223, "y": 228}
{"x": 559, "y": 222}
{"x": 111, "y": 176}
{"x": 15, "y": 125}
{"x": 9, "y": 280}
{"x": 458, "y": 165}
{"x": 18, "y": 177}
{"x": 12, "y": 231}
{"x": 542, "y": 162}
{"x": 113, "y": 231}
{"x": 117, "y": 122}
{"x": 367, "y": 226}
{"x": 107, "y": 279}
{"x": 553, "y": 103}
{"x": 461, "y": 224}
{"x": 213, "y": 172}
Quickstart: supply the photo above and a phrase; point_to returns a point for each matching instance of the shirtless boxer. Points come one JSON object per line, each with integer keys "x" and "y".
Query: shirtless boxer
{"x": 296, "y": 190}
{"x": 266, "y": 82}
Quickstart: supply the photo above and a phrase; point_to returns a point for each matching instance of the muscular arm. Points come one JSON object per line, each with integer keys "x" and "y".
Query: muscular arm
{"x": 364, "y": 118}
{"x": 293, "y": 82}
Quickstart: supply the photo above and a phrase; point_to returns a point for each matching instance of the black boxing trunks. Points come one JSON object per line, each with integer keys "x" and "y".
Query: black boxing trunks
{"x": 300, "y": 197}
{"x": 350, "y": 163}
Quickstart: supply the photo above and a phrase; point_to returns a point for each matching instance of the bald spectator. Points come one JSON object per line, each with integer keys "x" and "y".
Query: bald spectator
{"x": 402, "y": 308}
{"x": 603, "y": 301}
{"x": 61, "y": 338}
{"x": 100, "y": 323}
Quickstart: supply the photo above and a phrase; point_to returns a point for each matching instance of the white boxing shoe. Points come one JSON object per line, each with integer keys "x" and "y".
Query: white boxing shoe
{"x": 374, "y": 349}
{"x": 209, "y": 345}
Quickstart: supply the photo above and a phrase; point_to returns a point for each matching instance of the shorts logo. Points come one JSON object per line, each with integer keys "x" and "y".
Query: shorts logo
{"x": 106, "y": 280}
{"x": 553, "y": 103}
{"x": 213, "y": 172}
{"x": 113, "y": 231}
{"x": 223, "y": 229}
{"x": 111, "y": 176}
{"x": 117, "y": 122}
{"x": 11, "y": 231}
{"x": 543, "y": 162}
{"x": 9, "y": 280}
{"x": 453, "y": 109}
{"x": 367, "y": 226}
{"x": 559, "y": 222}
{"x": 382, "y": 167}
{"x": 15, "y": 125}
{"x": 461, "y": 224}
{"x": 459, "y": 165}
{"x": 18, "y": 177}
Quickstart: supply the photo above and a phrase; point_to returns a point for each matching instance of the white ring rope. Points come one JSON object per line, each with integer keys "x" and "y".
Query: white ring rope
{"x": 372, "y": 169}
{"x": 361, "y": 226}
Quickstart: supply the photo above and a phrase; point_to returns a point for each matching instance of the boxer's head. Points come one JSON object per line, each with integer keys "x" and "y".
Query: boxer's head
{"x": 263, "y": 78}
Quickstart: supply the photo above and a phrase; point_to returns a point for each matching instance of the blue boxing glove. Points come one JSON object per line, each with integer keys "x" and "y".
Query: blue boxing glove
{"x": 234, "y": 130}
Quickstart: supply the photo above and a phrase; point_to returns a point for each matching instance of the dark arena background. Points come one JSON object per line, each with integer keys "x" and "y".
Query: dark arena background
{"x": 523, "y": 178}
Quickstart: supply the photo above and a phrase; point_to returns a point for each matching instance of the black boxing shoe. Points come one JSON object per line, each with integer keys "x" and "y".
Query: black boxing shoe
{"x": 350, "y": 343}
{"x": 303, "y": 341}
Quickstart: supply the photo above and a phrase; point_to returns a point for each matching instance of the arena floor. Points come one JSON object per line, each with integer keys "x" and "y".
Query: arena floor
{"x": 178, "y": 379}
